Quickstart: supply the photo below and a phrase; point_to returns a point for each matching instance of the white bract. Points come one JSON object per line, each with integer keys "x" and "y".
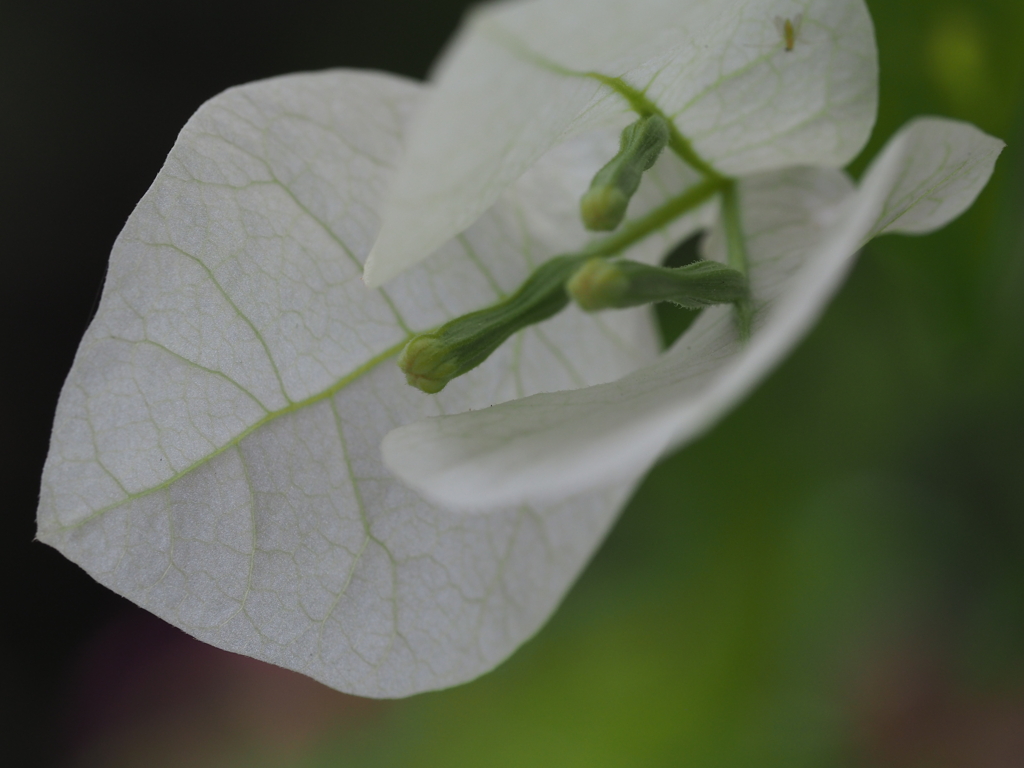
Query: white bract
{"x": 804, "y": 227}
{"x": 216, "y": 455}
{"x": 525, "y": 76}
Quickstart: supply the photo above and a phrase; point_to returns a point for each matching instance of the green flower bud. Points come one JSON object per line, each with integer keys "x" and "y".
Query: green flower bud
{"x": 598, "y": 284}
{"x": 427, "y": 364}
{"x": 431, "y": 360}
{"x": 601, "y": 284}
{"x": 604, "y": 205}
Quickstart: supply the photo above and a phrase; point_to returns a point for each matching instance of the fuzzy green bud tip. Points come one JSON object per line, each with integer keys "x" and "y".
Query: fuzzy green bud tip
{"x": 427, "y": 364}
{"x": 598, "y": 284}
{"x": 603, "y": 208}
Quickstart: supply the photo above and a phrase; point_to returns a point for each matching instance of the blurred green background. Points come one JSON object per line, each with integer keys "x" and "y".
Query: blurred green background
{"x": 834, "y": 576}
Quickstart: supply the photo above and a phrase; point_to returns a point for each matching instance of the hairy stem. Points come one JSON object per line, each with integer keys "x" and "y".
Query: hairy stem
{"x": 644, "y": 106}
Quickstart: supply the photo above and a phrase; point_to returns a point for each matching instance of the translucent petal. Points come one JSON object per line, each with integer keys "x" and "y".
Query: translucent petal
{"x": 804, "y": 227}
{"x": 215, "y": 455}
{"x": 522, "y": 77}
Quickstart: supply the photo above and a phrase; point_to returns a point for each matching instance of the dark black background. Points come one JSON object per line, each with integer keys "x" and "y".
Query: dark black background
{"x": 93, "y": 94}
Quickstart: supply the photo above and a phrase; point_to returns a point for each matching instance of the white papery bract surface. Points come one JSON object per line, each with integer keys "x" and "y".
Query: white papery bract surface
{"x": 215, "y": 455}
{"x": 518, "y": 80}
{"x": 803, "y": 228}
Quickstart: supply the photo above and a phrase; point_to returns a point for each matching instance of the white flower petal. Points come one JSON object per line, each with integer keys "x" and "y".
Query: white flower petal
{"x": 944, "y": 164}
{"x": 215, "y": 451}
{"x": 517, "y": 81}
{"x": 803, "y": 227}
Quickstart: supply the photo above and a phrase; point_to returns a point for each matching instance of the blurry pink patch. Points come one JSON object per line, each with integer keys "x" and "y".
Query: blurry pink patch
{"x": 913, "y": 712}
{"x": 148, "y": 694}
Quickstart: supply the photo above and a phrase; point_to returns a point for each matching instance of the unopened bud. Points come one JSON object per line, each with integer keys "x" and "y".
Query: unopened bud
{"x": 431, "y": 360}
{"x": 603, "y": 206}
{"x": 427, "y": 364}
{"x": 598, "y": 284}
{"x": 601, "y": 284}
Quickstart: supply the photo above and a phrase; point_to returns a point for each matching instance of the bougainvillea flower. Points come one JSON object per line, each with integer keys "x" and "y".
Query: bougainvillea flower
{"x": 216, "y": 455}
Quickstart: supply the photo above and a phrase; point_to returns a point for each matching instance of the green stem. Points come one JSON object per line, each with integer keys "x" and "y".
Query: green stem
{"x": 432, "y": 359}
{"x": 637, "y": 99}
{"x": 736, "y": 250}
{"x": 638, "y": 229}
{"x": 640, "y": 104}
